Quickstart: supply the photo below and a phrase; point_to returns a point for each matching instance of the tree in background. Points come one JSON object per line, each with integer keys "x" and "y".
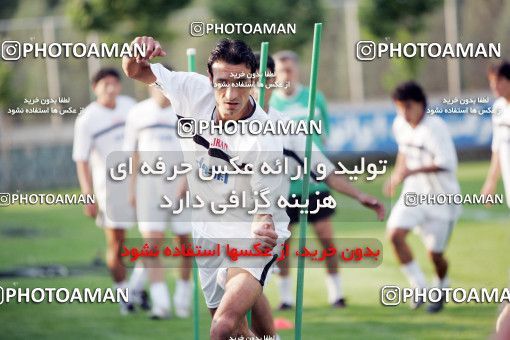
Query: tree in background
{"x": 131, "y": 17}
{"x": 396, "y": 21}
{"x": 304, "y": 13}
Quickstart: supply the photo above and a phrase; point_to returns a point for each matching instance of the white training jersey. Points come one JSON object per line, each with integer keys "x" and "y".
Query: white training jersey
{"x": 149, "y": 127}
{"x": 500, "y": 123}
{"x": 428, "y": 144}
{"x": 98, "y": 131}
{"x": 501, "y": 140}
{"x": 192, "y": 96}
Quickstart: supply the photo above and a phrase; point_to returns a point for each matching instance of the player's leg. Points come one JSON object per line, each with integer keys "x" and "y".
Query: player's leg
{"x": 402, "y": 220}
{"x": 285, "y": 283}
{"x": 183, "y": 286}
{"x": 137, "y": 280}
{"x": 324, "y": 231}
{"x": 435, "y": 234}
{"x": 503, "y": 324}
{"x": 159, "y": 293}
{"x": 410, "y": 268}
{"x": 403, "y": 252}
{"x": 242, "y": 290}
{"x": 262, "y": 319}
{"x": 114, "y": 241}
{"x": 440, "y": 264}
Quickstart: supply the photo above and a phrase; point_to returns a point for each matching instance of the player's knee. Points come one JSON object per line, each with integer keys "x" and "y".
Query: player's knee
{"x": 326, "y": 239}
{"x": 222, "y": 327}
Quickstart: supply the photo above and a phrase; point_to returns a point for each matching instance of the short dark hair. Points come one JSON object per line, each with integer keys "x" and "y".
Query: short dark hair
{"x": 410, "y": 91}
{"x": 504, "y": 70}
{"x": 286, "y": 55}
{"x": 270, "y": 62}
{"x": 105, "y": 72}
{"x": 233, "y": 52}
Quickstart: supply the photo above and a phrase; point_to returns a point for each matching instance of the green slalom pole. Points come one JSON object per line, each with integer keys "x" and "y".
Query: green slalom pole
{"x": 303, "y": 218}
{"x": 264, "y": 47}
{"x": 262, "y": 91}
{"x": 192, "y": 67}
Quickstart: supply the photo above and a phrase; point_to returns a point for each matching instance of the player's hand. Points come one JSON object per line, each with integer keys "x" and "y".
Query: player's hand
{"x": 90, "y": 210}
{"x": 488, "y": 189}
{"x": 152, "y": 49}
{"x": 374, "y": 204}
{"x": 263, "y": 231}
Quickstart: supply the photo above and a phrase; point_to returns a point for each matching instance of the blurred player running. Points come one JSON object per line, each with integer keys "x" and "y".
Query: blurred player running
{"x": 294, "y": 148}
{"x": 426, "y": 164}
{"x": 229, "y": 291}
{"x": 499, "y": 80}
{"x": 99, "y": 130}
{"x": 150, "y": 133}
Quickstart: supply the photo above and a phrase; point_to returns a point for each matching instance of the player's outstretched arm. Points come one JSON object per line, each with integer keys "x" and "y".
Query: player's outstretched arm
{"x": 340, "y": 184}
{"x": 396, "y": 177}
{"x": 133, "y": 178}
{"x": 85, "y": 180}
{"x": 489, "y": 187}
{"x": 137, "y": 67}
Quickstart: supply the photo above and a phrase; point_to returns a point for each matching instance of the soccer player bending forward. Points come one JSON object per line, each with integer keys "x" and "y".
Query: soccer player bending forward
{"x": 230, "y": 291}
{"x": 426, "y": 164}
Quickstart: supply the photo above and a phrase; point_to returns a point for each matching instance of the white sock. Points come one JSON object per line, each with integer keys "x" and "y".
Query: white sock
{"x": 286, "y": 295}
{"x": 138, "y": 278}
{"x": 442, "y": 283}
{"x": 160, "y": 296}
{"x": 334, "y": 286}
{"x": 183, "y": 292}
{"x": 414, "y": 275}
{"x": 182, "y": 285}
{"x": 122, "y": 285}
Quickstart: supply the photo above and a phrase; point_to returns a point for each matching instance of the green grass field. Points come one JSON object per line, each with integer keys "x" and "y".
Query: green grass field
{"x": 63, "y": 235}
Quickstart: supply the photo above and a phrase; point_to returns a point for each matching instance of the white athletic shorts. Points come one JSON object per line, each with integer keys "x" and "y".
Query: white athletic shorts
{"x": 150, "y": 216}
{"x": 114, "y": 210}
{"x": 428, "y": 221}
